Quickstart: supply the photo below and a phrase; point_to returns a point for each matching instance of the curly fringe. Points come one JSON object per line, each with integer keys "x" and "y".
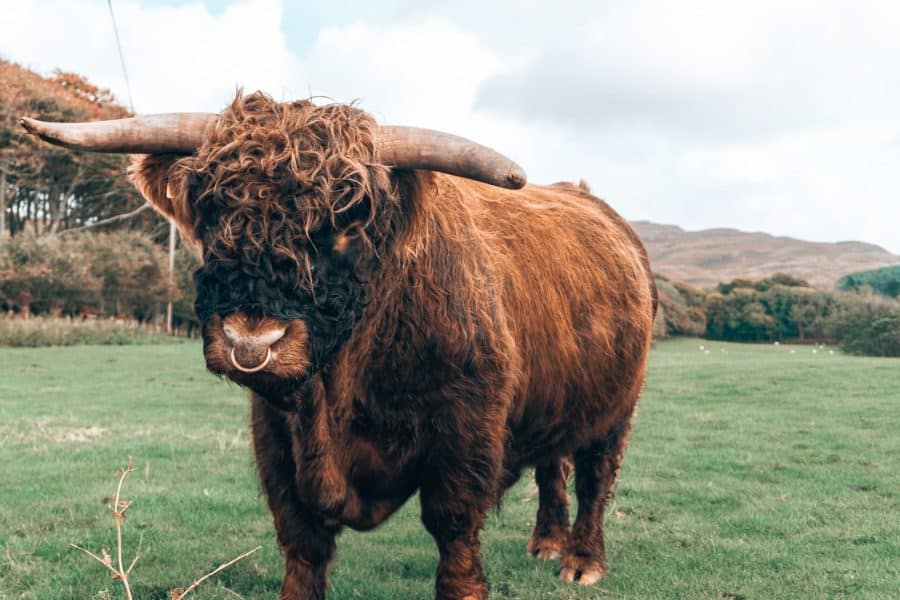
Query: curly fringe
{"x": 272, "y": 175}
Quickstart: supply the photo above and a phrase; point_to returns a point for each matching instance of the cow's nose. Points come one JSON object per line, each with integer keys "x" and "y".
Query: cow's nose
{"x": 251, "y": 351}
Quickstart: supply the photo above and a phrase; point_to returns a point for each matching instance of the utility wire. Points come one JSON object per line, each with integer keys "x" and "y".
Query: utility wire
{"x": 173, "y": 233}
{"x": 121, "y": 56}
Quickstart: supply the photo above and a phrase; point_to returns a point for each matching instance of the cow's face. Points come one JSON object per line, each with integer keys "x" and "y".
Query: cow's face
{"x": 283, "y": 201}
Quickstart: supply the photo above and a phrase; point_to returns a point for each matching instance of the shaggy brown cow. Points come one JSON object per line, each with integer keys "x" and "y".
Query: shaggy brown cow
{"x": 402, "y": 329}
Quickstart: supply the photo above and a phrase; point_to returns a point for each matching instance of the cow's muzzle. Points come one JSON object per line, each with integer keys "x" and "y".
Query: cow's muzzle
{"x": 251, "y": 350}
{"x": 256, "y": 350}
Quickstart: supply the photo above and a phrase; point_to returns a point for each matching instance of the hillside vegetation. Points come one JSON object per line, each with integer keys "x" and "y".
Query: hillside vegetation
{"x": 780, "y": 308}
{"x": 884, "y": 281}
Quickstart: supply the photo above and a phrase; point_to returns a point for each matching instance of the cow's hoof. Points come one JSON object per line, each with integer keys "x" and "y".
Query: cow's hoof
{"x": 545, "y": 549}
{"x": 467, "y": 593}
{"x": 582, "y": 571}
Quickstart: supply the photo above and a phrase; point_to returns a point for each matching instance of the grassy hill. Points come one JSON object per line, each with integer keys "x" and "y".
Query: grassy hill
{"x": 705, "y": 258}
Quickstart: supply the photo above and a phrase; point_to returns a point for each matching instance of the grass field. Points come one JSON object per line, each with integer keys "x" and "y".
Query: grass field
{"x": 753, "y": 472}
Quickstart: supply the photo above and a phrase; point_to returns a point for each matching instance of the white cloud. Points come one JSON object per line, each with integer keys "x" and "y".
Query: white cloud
{"x": 426, "y": 73}
{"x": 768, "y": 116}
{"x": 178, "y": 57}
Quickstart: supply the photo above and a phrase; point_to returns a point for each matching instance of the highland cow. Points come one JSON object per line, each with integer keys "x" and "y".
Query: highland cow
{"x": 402, "y": 327}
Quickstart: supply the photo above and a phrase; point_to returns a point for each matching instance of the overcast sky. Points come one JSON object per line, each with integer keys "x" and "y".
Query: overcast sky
{"x": 778, "y": 116}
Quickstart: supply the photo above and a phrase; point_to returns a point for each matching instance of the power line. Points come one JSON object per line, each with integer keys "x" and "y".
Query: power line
{"x": 173, "y": 233}
{"x": 121, "y": 56}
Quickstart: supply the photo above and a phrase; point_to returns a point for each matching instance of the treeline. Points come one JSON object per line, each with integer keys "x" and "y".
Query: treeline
{"x": 76, "y": 239}
{"x": 784, "y": 309}
{"x": 884, "y": 281}
{"x": 45, "y": 189}
{"x": 122, "y": 275}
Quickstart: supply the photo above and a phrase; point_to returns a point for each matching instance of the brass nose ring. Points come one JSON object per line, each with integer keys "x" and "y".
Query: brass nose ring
{"x": 255, "y": 369}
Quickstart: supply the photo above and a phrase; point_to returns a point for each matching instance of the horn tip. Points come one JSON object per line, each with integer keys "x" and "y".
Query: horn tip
{"x": 515, "y": 179}
{"x": 36, "y": 128}
{"x": 29, "y": 125}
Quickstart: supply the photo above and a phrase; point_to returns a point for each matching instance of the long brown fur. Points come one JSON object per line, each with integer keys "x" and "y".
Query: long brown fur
{"x": 477, "y": 331}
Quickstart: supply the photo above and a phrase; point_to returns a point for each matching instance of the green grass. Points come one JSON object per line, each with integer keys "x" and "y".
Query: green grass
{"x": 752, "y": 473}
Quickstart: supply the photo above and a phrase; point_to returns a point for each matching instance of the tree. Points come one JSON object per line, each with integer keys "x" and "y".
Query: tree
{"x": 47, "y": 189}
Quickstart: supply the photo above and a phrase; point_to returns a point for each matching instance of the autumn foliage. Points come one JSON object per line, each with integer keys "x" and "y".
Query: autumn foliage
{"x": 46, "y": 189}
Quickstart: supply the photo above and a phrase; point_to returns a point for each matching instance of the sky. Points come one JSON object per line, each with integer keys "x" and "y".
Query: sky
{"x": 772, "y": 116}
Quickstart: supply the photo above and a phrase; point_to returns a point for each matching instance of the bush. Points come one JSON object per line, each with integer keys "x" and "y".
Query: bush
{"x": 45, "y": 275}
{"x": 659, "y": 324}
{"x": 762, "y": 285}
{"x": 61, "y": 331}
{"x": 739, "y": 316}
{"x": 121, "y": 274}
{"x": 681, "y": 310}
{"x": 866, "y": 324}
{"x": 775, "y": 309}
{"x": 132, "y": 271}
{"x": 884, "y": 281}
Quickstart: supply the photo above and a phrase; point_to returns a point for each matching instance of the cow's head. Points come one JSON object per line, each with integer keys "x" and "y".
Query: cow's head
{"x": 288, "y": 203}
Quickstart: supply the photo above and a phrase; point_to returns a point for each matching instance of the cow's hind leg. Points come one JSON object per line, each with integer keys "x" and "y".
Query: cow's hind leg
{"x": 596, "y": 468}
{"x": 551, "y": 529}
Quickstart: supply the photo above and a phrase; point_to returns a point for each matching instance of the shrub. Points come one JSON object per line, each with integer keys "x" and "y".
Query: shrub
{"x": 63, "y": 331}
{"x": 739, "y": 316}
{"x": 778, "y": 308}
{"x": 45, "y": 275}
{"x": 122, "y": 274}
{"x": 659, "y": 324}
{"x": 866, "y": 324}
{"x": 884, "y": 281}
{"x": 132, "y": 269}
{"x": 681, "y": 309}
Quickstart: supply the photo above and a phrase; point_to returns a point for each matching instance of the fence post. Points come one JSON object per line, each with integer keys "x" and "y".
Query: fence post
{"x": 172, "y": 233}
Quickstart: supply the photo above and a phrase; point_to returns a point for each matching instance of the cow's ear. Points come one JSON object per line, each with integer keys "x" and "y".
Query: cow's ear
{"x": 160, "y": 179}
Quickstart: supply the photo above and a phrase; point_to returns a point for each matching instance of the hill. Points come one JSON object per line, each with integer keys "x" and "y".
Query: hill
{"x": 707, "y": 257}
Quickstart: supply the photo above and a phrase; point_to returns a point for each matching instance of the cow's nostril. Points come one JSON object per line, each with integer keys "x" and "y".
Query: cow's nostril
{"x": 267, "y": 338}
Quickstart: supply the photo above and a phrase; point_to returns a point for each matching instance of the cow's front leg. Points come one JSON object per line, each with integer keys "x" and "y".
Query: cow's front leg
{"x": 306, "y": 541}
{"x": 455, "y": 524}
{"x": 458, "y": 489}
{"x": 307, "y": 553}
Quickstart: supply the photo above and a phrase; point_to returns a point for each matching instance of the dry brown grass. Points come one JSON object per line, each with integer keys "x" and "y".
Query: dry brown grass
{"x": 119, "y": 508}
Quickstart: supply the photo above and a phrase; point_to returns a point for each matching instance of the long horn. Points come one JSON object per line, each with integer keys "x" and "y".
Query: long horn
{"x": 182, "y": 133}
{"x": 414, "y": 148}
{"x": 177, "y": 133}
